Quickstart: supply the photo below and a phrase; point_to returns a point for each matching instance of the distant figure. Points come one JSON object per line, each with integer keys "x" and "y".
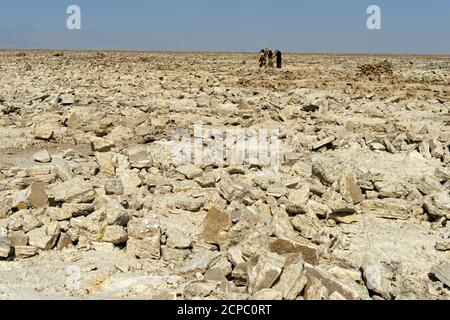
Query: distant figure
{"x": 270, "y": 59}
{"x": 262, "y": 58}
{"x": 279, "y": 59}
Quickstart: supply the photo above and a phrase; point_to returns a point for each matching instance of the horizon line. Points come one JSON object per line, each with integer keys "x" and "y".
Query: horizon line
{"x": 225, "y": 51}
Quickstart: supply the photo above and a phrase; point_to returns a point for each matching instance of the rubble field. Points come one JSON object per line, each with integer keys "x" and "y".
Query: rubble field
{"x": 94, "y": 205}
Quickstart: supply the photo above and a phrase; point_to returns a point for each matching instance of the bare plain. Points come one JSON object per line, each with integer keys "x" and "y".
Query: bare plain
{"x": 93, "y": 205}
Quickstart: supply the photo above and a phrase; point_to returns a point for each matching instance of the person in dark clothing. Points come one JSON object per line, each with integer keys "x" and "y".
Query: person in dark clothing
{"x": 270, "y": 59}
{"x": 262, "y": 61}
{"x": 279, "y": 58}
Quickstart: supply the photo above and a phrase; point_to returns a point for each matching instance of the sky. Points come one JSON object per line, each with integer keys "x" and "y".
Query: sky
{"x": 407, "y": 26}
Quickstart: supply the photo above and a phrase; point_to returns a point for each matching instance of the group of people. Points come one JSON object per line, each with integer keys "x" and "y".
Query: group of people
{"x": 267, "y": 56}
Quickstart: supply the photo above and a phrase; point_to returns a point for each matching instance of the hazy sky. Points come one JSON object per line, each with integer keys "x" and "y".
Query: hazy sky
{"x": 408, "y": 26}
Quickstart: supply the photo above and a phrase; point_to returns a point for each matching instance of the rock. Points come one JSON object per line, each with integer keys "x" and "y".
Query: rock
{"x": 42, "y": 157}
{"x": 350, "y": 191}
{"x": 186, "y": 203}
{"x": 217, "y": 275}
{"x": 116, "y": 214}
{"x": 74, "y": 191}
{"x": 319, "y": 209}
{"x": 18, "y": 239}
{"x": 72, "y": 120}
{"x": 25, "y": 252}
{"x": 177, "y": 239}
{"x": 63, "y": 169}
{"x": 131, "y": 181}
{"x": 114, "y": 187}
{"x": 346, "y": 215}
{"x": 36, "y": 195}
{"x": 148, "y": 248}
{"x": 200, "y": 262}
{"x": 268, "y": 295}
{"x": 40, "y": 239}
{"x": 139, "y": 159}
{"x": 169, "y": 254}
{"x": 284, "y": 246}
{"x": 215, "y": 226}
{"x": 66, "y": 99}
{"x": 307, "y": 225}
{"x": 429, "y": 185}
{"x": 5, "y": 248}
{"x": 392, "y": 189}
{"x": 64, "y": 242}
{"x": 264, "y": 271}
{"x": 336, "y": 296}
{"x": 443, "y": 245}
{"x": 89, "y": 228}
{"x": 292, "y": 282}
{"x": 277, "y": 191}
{"x": 199, "y": 289}
{"x": 105, "y": 162}
{"x": 331, "y": 284}
{"x": 376, "y": 146}
{"x": 235, "y": 256}
{"x": 115, "y": 235}
{"x": 144, "y": 238}
{"x": 6, "y": 204}
{"x": 389, "y": 146}
{"x": 442, "y": 273}
{"x": 190, "y": 171}
{"x": 281, "y": 226}
{"x": 299, "y": 197}
{"x": 31, "y": 222}
{"x": 318, "y": 170}
{"x": 442, "y": 174}
{"x": 224, "y": 266}
{"x": 323, "y": 143}
{"x": 44, "y": 132}
{"x": 206, "y": 181}
{"x": 375, "y": 278}
{"x": 387, "y": 208}
{"x": 101, "y": 145}
{"x": 58, "y": 214}
{"x": 437, "y": 205}
{"x": 78, "y": 209}
{"x": 239, "y": 274}
{"x": 294, "y": 210}
{"x": 436, "y": 148}
{"x": 233, "y": 190}
{"x": 315, "y": 290}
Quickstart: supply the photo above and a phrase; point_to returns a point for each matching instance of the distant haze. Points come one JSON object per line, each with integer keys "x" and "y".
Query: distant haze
{"x": 408, "y": 26}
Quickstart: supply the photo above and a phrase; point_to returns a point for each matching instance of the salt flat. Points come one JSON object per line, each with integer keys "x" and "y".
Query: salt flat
{"x": 95, "y": 204}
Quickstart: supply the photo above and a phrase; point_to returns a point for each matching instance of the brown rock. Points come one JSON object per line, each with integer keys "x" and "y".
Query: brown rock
{"x": 64, "y": 242}
{"x": 215, "y": 226}
{"x": 309, "y": 252}
{"x": 350, "y": 191}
